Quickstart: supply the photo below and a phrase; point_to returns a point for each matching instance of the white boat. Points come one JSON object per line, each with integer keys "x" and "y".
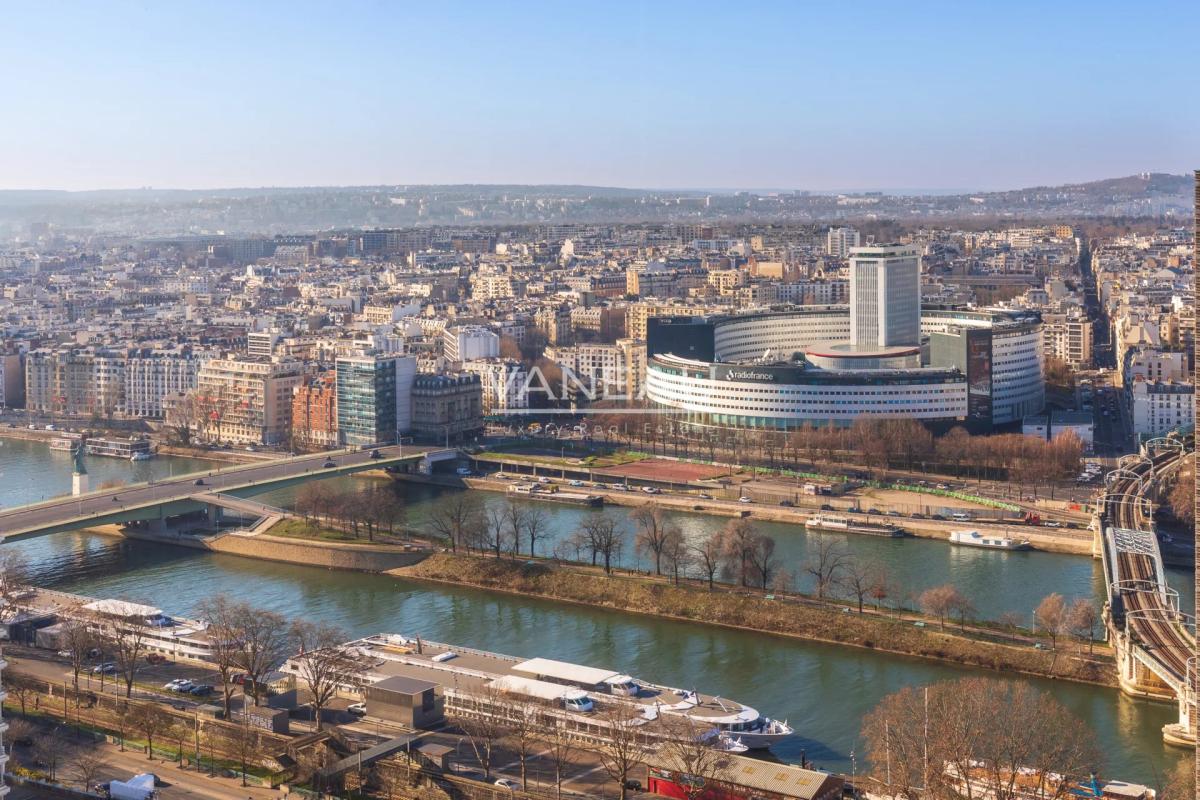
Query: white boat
{"x": 476, "y": 682}
{"x": 976, "y": 539}
{"x": 142, "y": 456}
{"x": 828, "y": 522}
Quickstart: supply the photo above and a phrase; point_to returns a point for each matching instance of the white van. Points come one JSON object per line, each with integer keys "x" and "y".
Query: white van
{"x": 961, "y": 516}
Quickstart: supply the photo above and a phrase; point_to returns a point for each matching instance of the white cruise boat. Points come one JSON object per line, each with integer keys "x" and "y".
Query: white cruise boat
{"x": 472, "y": 680}
{"x": 834, "y": 524}
{"x": 977, "y": 539}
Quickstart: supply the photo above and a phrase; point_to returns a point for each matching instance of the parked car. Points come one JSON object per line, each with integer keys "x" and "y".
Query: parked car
{"x": 376, "y": 454}
{"x": 198, "y": 482}
{"x": 894, "y": 513}
{"x": 357, "y": 709}
{"x": 745, "y": 499}
{"x": 238, "y": 678}
{"x": 787, "y": 503}
{"x": 107, "y": 668}
{"x": 507, "y": 783}
{"x": 329, "y": 462}
{"x": 704, "y": 496}
{"x": 203, "y": 690}
{"x": 576, "y": 483}
{"x": 826, "y": 507}
{"x": 178, "y": 685}
{"x": 875, "y": 511}
{"x": 156, "y": 658}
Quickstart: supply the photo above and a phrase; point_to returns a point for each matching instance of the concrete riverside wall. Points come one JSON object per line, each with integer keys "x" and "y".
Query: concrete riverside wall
{"x": 335, "y": 555}
{"x": 364, "y": 558}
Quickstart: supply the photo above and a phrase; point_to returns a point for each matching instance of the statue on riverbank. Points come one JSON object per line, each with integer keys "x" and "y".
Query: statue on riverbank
{"x": 79, "y": 475}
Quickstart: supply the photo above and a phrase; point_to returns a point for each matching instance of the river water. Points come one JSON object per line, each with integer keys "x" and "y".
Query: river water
{"x": 822, "y": 691}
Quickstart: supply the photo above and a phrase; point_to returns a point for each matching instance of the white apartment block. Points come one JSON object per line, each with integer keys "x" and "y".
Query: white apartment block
{"x": 604, "y": 367}
{"x": 151, "y": 375}
{"x": 839, "y": 241}
{"x": 1068, "y": 338}
{"x": 1159, "y": 408}
{"x": 504, "y": 384}
{"x": 469, "y": 342}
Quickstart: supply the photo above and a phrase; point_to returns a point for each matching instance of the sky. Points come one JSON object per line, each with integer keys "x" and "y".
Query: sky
{"x": 974, "y": 94}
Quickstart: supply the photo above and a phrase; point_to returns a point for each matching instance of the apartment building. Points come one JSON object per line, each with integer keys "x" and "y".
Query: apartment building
{"x": 1068, "y": 338}
{"x": 151, "y": 375}
{"x": 447, "y": 408}
{"x": 246, "y": 400}
{"x": 469, "y": 342}
{"x": 502, "y": 382}
{"x": 1159, "y": 408}
{"x": 314, "y": 412}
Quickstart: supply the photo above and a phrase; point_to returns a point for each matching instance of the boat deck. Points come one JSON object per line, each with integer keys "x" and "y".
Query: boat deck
{"x": 473, "y": 671}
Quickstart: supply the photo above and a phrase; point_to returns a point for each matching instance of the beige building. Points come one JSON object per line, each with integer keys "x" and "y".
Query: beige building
{"x": 246, "y": 400}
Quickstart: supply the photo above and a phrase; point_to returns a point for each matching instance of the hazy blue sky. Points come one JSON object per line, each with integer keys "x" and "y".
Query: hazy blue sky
{"x": 816, "y": 95}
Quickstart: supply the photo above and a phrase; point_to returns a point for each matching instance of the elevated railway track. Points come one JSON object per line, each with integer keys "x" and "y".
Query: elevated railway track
{"x": 1155, "y": 641}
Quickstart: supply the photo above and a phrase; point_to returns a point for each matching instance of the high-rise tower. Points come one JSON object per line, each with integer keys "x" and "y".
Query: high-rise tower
{"x": 885, "y": 296}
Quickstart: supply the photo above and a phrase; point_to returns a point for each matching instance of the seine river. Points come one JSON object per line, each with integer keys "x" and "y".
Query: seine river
{"x": 822, "y": 691}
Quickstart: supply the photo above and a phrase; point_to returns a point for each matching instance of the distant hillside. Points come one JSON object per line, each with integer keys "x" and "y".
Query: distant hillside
{"x": 273, "y": 210}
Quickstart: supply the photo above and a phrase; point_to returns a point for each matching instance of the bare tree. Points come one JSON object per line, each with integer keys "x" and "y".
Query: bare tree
{"x": 690, "y": 758}
{"x": 603, "y": 537}
{"x": 826, "y": 561}
{"x": 762, "y": 559}
{"x": 677, "y": 553}
{"x": 975, "y": 737}
{"x": 523, "y": 720}
{"x": 561, "y": 749}
{"x": 21, "y": 688}
{"x": 537, "y": 527}
{"x": 324, "y": 662}
{"x": 14, "y": 574}
{"x": 263, "y": 642}
{"x": 1051, "y": 616}
{"x": 495, "y": 524}
{"x": 484, "y": 731}
{"x": 457, "y": 518}
{"x": 623, "y": 747}
{"x": 152, "y": 722}
{"x": 940, "y": 601}
{"x": 51, "y": 751}
{"x": 710, "y": 556}
{"x": 1082, "y": 620}
{"x": 78, "y": 639}
{"x": 224, "y": 617}
{"x": 739, "y": 539}
{"x": 651, "y": 534}
{"x": 87, "y": 764}
{"x": 125, "y": 637}
{"x": 860, "y": 579}
{"x": 514, "y": 518}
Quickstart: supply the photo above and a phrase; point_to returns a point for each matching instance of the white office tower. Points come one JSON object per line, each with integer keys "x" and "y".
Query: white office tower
{"x": 885, "y": 296}
{"x": 840, "y": 241}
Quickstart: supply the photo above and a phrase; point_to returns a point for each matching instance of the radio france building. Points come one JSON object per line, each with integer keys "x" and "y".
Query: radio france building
{"x": 786, "y": 368}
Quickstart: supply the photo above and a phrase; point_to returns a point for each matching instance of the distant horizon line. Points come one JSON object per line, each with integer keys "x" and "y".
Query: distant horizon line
{"x": 891, "y": 191}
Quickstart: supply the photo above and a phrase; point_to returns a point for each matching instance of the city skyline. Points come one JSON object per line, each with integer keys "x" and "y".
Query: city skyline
{"x": 645, "y": 95}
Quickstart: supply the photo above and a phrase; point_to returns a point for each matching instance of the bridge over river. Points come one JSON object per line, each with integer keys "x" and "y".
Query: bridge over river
{"x": 1155, "y": 642}
{"x": 207, "y": 491}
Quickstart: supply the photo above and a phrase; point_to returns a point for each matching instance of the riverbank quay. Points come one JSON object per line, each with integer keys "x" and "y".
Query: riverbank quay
{"x": 264, "y": 546}
{"x": 1053, "y": 540}
{"x": 777, "y": 614}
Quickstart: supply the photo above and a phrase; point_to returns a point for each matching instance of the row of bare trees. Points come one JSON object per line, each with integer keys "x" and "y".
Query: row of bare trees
{"x": 508, "y": 528}
{"x": 524, "y": 727}
{"x": 875, "y": 443}
{"x": 373, "y": 509}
